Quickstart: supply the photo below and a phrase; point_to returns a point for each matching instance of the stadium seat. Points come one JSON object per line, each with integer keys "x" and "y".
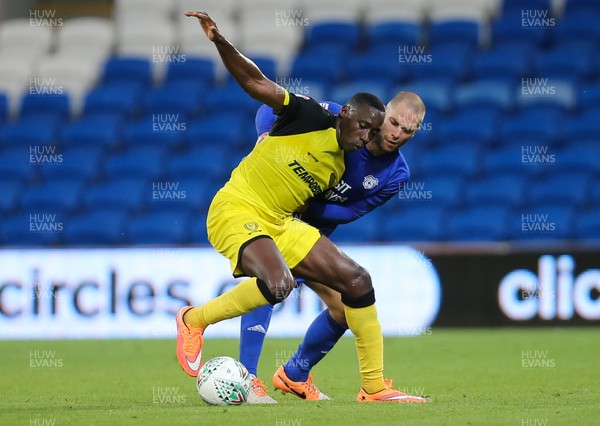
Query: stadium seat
{"x": 532, "y": 122}
{"x": 330, "y": 33}
{"x": 124, "y": 194}
{"x": 557, "y": 189}
{"x": 492, "y": 64}
{"x": 460, "y": 159}
{"x": 119, "y": 98}
{"x": 204, "y": 161}
{"x": 153, "y": 39}
{"x": 163, "y": 227}
{"x": 395, "y": 32}
{"x": 511, "y": 6}
{"x": 508, "y": 159}
{"x": 317, "y": 11}
{"x": 230, "y": 99}
{"x": 57, "y": 105}
{"x": 569, "y": 62}
{"x": 322, "y": 67}
{"x": 540, "y": 91}
{"x": 578, "y": 158}
{"x": 341, "y": 93}
{"x": 435, "y": 189}
{"x": 86, "y": 33}
{"x": 194, "y": 70}
{"x": 136, "y": 162}
{"x": 414, "y": 221}
{"x": 578, "y": 26}
{"x": 97, "y": 227}
{"x": 436, "y": 95}
{"x": 75, "y": 163}
{"x": 449, "y": 63}
{"x": 510, "y": 28}
{"x": 101, "y": 130}
{"x": 478, "y": 224}
{"x": 379, "y": 64}
{"x": 9, "y": 192}
{"x": 364, "y": 230}
{"x": 468, "y": 125}
{"x": 127, "y": 70}
{"x": 583, "y": 126}
{"x": 589, "y": 95}
{"x": 380, "y": 11}
{"x": 4, "y": 111}
{"x": 193, "y": 193}
{"x": 56, "y": 196}
{"x": 32, "y": 230}
{"x": 129, "y": 9}
{"x": 496, "y": 191}
{"x": 587, "y": 225}
{"x": 542, "y": 222}
{"x": 16, "y": 163}
{"x": 490, "y": 93}
{"x": 165, "y": 130}
{"x": 225, "y": 130}
{"x": 27, "y": 132}
{"x": 197, "y": 230}
{"x": 266, "y": 64}
{"x": 19, "y": 35}
{"x": 454, "y": 31}
{"x": 583, "y": 6}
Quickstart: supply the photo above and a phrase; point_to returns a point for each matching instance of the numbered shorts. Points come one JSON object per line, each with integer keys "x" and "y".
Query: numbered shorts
{"x": 232, "y": 224}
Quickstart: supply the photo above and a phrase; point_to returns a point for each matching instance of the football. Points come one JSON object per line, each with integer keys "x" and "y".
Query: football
{"x": 223, "y": 381}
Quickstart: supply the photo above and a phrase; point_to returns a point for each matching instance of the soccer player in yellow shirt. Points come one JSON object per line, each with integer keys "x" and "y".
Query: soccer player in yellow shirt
{"x": 250, "y": 219}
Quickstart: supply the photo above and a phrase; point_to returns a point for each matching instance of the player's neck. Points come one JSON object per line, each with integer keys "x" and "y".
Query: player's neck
{"x": 374, "y": 147}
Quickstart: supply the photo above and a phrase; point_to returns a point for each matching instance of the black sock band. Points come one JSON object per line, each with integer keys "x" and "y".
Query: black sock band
{"x": 363, "y": 301}
{"x": 264, "y": 289}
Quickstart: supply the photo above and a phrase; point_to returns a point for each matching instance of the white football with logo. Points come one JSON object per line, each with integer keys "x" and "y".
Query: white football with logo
{"x": 223, "y": 381}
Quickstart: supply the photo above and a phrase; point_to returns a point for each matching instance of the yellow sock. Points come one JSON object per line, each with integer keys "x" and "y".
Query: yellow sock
{"x": 369, "y": 345}
{"x": 241, "y": 299}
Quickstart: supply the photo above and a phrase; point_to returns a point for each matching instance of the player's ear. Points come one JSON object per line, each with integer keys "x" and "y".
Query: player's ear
{"x": 344, "y": 111}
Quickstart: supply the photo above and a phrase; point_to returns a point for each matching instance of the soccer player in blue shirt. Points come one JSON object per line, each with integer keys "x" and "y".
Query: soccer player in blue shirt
{"x": 373, "y": 175}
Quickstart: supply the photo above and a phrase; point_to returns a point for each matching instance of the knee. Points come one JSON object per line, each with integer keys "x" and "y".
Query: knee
{"x": 358, "y": 283}
{"x": 281, "y": 286}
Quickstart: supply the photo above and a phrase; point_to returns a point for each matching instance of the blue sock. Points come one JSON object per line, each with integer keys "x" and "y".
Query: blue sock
{"x": 253, "y": 328}
{"x": 320, "y": 337}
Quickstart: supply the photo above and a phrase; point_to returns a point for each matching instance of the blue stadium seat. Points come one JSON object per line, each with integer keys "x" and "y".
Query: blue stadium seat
{"x": 437, "y": 189}
{"x": 589, "y": 95}
{"x": 580, "y": 25}
{"x": 436, "y": 95}
{"x": 230, "y": 99}
{"x": 3, "y": 107}
{"x": 341, "y": 93}
{"x": 568, "y": 62}
{"x": 532, "y": 122}
{"x": 583, "y": 126}
{"x": 323, "y": 68}
{"x": 75, "y": 163}
{"x": 469, "y": 125}
{"x": 510, "y": 28}
{"x": 9, "y": 192}
{"x": 198, "y": 71}
{"x": 395, "y": 32}
{"x": 380, "y": 65}
{"x": 330, "y": 33}
{"x": 478, "y": 224}
{"x": 507, "y": 159}
{"x": 512, "y": 6}
{"x": 204, "y": 162}
{"x": 16, "y": 163}
{"x": 587, "y": 225}
{"x": 98, "y": 227}
{"x": 125, "y": 194}
{"x": 127, "y": 70}
{"x": 222, "y": 130}
{"x": 448, "y": 63}
{"x": 102, "y": 130}
{"x": 455, "y": 31}
{"x": 542, "y": 222}
{"x": 545, "y": 91}
{"x": 28, "y": 132}
{"x": 497, "y": 94}
{"x": 190, "y": 193}
{"x": 570, "y": 190}
{"x": 140, "y": 162}
{"x": 163, "y": 227}
{"x": 364, "y": 230}
{"x": 416, "y": 221}
{"x": 182, "y": 98}
{"x": 493, "y": 64}
{"x": 266, "y": 64}
{"x": 159, "y": 129}
{"x": 23, "y": 231}
{"x": 56, "y": 196}
{"x": 578, "y": 158}
{"x": 582, "y": 6}
{"x": 496, "y": 190}
{"x": 121, "y": 98}
{"x": 58, "y": 105}
{"x": 457, "y": 159}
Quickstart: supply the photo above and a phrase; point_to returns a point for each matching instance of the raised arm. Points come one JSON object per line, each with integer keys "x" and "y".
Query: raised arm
{"x": 246, "y": 73}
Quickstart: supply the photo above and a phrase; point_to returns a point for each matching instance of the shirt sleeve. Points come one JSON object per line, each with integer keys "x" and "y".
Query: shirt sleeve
{"x": 266, "y": 117}
{"x": 336, "y": 213}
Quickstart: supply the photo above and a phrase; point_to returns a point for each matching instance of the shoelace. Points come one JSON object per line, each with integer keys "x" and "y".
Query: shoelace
{"x": 191, "y": 343}
{"x": 259, "y": 387}
{"x": 311, "y": 387}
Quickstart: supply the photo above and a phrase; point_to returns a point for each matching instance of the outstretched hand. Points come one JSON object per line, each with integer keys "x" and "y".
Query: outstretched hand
{"x": 207, "y": 24}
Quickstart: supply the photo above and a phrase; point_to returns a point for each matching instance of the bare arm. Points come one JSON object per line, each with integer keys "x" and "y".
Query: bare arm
{"x": 246, "y": 73}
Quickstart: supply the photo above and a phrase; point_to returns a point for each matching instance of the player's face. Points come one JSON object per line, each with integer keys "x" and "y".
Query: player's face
{"x": 358, "y": 126}
{"x": 400, "y": 124}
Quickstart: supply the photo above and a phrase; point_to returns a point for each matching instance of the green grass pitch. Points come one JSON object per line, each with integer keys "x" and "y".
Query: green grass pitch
{"x": 520, "y": 377}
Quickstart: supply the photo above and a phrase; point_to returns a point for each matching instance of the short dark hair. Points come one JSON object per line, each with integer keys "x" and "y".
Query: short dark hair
{"x": 366, "y": 99}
